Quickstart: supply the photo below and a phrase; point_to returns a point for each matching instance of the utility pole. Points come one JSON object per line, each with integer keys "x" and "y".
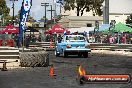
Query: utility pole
{"x": 106, "y": 12}
{"x": 54, "y": 4}
{"x": 44, "y": 4}
{"x": 51, "y": 10}
{"x": 13, "y": 4}
{"x": 60, "y": 9}
{"x": 13, "y": 13}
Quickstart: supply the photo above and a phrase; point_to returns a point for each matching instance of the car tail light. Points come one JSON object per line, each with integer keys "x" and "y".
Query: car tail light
{"x": 68, "y": 46}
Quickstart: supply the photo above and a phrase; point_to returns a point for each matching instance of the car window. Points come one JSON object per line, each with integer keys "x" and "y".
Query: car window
{"x": 75, "y": 38}
{"x": 82, "y": 38}
{"x": 67, "y": 38}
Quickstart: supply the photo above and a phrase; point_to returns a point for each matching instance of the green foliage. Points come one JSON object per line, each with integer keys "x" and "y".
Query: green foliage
{"x": 8, "y": 20}
{"x": 59, "y": 17}
{"x": 129, "y": 20}
{"x": 4, "y": 10}
{"x": 30, "y": 19}
{"x": 82, "y": 5}
{"x": 43, "y": 18}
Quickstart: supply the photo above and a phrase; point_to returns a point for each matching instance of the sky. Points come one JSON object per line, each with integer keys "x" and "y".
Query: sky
{"x": 120, "y": 6}
{"x": 37, "y": 11}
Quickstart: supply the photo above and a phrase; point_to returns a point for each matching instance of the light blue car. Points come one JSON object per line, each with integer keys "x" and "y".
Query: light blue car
{"x": 72, "y": 45}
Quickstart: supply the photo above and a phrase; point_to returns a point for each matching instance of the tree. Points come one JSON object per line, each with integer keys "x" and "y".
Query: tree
{"x": 8, "y": 20}
{"x": 81, "y": 5}
{"x": 129, "y": 20}
{"x": 43, "y": 19}
{"x": 4, "y": 12}
{"x": 17, "y": 18}
{"x": 30, "y": 19}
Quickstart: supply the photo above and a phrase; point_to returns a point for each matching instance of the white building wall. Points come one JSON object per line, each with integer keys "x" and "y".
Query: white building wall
{"x": 119, "y": 10}
{"x": 80, "y": 21}
{"x": 118, "y": 18}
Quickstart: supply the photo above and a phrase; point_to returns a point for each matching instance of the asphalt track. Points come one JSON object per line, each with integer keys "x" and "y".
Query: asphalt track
{"x": 66, "y": 72}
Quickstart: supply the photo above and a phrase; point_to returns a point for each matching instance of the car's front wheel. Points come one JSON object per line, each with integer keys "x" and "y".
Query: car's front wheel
{"x": 56, "y": 54}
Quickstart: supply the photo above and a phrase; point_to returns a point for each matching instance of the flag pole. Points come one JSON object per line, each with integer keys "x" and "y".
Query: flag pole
{"x": 54, "y": 3}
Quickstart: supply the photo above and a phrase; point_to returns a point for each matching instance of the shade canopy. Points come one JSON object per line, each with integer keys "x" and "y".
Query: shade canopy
{"x": 119, "y": 28}
{"x": 57, "y": 29}
{"x": 10, "y": 29}
{"x": 122, "y": 28}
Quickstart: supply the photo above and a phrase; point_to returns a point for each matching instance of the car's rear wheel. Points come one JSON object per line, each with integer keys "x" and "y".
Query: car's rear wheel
{"x": 85, "y": 54}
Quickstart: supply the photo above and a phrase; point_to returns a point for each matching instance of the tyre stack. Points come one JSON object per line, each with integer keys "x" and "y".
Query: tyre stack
{"x": 34, "y": 59}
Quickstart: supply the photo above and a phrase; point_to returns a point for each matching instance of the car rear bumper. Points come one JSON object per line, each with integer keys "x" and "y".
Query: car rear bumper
{"x": 77, "y": 50}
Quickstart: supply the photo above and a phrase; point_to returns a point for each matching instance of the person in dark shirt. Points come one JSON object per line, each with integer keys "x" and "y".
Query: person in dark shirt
{"x": 39, "y": 38}
{"x": 16, "y": 40}
{"x": 59, "y": 38}
{"x": 28, "y": 38}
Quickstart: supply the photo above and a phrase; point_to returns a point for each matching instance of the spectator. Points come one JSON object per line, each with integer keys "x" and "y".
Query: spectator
{"x": 48, "y": 38}
{"x": 85, "y": 34}
{"x": 33, "y": 38}
{"x": 39, "y": 38}
{"x": 27, "y": 41}
{"x": 124, "y": 39}
{"x": 16, "y": 40}
{"x": 59, "y": 38}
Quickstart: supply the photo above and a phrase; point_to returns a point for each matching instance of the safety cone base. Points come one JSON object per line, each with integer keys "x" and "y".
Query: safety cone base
{"x": 53, "y": 75}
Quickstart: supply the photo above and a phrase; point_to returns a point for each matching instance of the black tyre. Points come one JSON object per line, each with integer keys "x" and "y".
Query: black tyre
{"x": 34, "y": 59}
{"x": 85, "y": 54}
{"x": 81, "y": 80}
{"x": 56, "y": 54}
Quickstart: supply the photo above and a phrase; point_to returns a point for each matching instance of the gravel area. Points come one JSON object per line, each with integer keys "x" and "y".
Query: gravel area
{"x": 98, "y": 62}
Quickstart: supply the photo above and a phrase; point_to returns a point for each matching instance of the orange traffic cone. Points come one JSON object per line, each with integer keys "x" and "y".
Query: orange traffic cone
{"x": 51, "y": 74}
{"x": 51, "y": 43}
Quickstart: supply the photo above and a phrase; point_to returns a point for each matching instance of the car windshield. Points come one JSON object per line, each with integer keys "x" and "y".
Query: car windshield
{"x": 75, "y": 38}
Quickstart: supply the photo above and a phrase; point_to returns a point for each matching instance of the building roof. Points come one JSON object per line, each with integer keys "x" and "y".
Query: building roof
{"x": 89, "y": 18}
{"x": 120, "y": 13}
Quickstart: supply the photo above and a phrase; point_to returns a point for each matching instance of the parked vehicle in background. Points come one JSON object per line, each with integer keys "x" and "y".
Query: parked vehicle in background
{"x": 72, "y": 45}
